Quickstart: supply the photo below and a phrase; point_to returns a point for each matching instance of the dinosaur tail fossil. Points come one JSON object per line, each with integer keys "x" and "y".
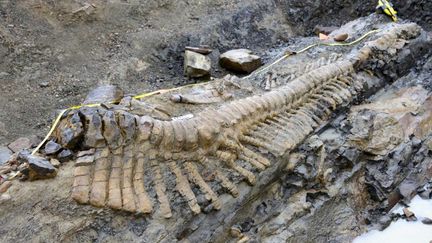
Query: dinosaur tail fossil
{"x": 126, "y": 162}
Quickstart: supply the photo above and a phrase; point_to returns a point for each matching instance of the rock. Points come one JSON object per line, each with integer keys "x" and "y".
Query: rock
{"x": 341, "y": 37}
{"x": 5, "y": 154}
{"x": 65, "y": 155}
{"x": 240, "y": 60}
{"x": 38, "y": 167}
{"x": 196, "y": 65}
{"x": 323, "y": 37}
{"x": 385, "y": 221}
{"x": 427, "y": 221}
{"x": 55, "y": 163}
{"x": 410, "y": 216}
{"x": 4, "y": 198}
{"x": 235, "y": 232}
{"x": 20, "y": 144}
{"x": 103, "y": 94}
{"x": 44, "y": 84}
{"x": 408, "y": 188}
{"x": 202, "y": 49}
{"x": 374, "y": 132}
{"x": 5, "y": 186}
{"x": 326, "y": 30}
{"x": 52, "y": 148}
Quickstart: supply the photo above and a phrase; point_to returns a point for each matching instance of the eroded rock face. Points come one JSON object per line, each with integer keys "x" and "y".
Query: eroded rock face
{"x": 240, "y": 60}
{"x": 196, "y": 65}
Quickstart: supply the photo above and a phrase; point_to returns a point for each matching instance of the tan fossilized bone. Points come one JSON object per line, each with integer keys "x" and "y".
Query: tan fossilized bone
{"x": 126, "y": 160}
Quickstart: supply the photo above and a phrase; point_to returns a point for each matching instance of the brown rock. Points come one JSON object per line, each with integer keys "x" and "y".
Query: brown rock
{"x": 20, "y": 144}
{"x": 240, "y": 60}
{"x": 5, "y": 186}
{"x": 341, "y": 37}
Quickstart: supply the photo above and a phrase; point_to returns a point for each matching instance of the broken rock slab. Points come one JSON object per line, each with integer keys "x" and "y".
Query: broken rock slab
{"x": 103, "y": 94}
{"x": 196, "y": 65}
{"x": 38, "y": 167}
{"x": 240, "y": 60}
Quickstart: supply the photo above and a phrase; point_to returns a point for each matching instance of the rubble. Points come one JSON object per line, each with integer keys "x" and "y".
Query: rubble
{"x": 240, "y": 60}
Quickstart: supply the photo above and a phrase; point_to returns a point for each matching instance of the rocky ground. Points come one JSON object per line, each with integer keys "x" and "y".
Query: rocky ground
{"x": 374, "y": 154}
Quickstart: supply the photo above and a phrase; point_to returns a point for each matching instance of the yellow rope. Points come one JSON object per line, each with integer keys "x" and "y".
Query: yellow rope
{"x": 163, "y": 91}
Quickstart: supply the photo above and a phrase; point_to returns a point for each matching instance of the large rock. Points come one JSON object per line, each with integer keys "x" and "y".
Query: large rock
{"x": 103, "y": 94}
{"x": 240, "y": 60}
{"x": 38, "y": 167}
{"x": 196, "y": 65}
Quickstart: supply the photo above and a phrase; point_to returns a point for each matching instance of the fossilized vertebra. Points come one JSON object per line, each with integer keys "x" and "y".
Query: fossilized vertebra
{"x": 130, "y": 158}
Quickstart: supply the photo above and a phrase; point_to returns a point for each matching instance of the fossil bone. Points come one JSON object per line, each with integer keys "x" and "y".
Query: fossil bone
{"x": 134, "y": 157}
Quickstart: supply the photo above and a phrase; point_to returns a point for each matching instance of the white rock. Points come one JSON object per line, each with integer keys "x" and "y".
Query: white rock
{"x": 196, "y": 65}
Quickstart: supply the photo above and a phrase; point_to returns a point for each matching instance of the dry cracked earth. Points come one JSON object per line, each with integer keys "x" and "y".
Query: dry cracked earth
{"x": 317, "y": 148}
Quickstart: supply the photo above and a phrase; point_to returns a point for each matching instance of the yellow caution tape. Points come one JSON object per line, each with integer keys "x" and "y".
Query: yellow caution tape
{"x": 311, "y": 46}
{"x": 163, "y": 91}
{"x": 388, "y": 9}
